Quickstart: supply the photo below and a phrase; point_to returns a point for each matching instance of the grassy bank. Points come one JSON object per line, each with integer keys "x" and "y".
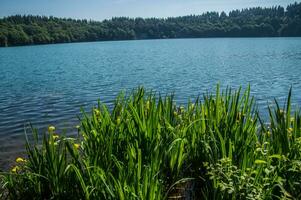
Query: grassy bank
{"x": 147, "y": 147}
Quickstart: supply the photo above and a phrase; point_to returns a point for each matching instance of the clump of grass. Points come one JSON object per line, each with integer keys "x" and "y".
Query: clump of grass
{"x": 147, "y": 147}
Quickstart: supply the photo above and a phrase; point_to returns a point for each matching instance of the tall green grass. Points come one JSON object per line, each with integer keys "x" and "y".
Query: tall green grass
{"x": 147, "y": 147}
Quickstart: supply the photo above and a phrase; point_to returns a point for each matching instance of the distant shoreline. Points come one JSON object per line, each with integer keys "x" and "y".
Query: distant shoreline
{"x": 256, "y": 22}
{"x": 103, "y": 41}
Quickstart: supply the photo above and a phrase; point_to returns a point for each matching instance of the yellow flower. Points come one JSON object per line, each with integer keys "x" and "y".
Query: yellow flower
{"x": 96, "y": 111}
{"x": 55, "y": 136}
{"x": 76, "y": 146}
{"x": 19, "y": 160}
{"x": 51, "y": 128}
{"x": 15, "y": 169}
{"x": 77, "y": 127}
{"x": 290, "y": 129}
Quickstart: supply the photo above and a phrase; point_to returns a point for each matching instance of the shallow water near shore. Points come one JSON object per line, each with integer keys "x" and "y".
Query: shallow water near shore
{"x": 49, "y": 84}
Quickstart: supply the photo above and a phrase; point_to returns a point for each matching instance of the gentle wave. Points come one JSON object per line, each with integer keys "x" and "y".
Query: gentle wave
{"x": 49, "y": 84}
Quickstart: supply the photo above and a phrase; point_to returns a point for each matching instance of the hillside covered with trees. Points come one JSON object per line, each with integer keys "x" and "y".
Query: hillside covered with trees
{"x": 251, "y": 22}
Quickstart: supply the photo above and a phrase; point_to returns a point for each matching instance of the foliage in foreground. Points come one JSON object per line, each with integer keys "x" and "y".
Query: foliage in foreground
{"x": 148, "y": 148}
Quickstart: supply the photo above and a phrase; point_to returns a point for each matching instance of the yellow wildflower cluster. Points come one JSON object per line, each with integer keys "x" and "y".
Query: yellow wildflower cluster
{"x": 51, "y": 128}
{"x": 97, "y": 112}
{"x": 55, "y": 136}
{"x": 15, "y": 169}
{"x": 20, "y": 160}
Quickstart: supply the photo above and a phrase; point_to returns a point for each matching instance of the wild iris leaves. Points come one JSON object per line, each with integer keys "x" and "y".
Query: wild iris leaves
{"x": 149, "y": 148}
{"x": 251, "y": 22}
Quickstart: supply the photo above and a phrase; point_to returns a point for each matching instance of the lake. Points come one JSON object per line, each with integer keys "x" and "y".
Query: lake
{"x": 48, "y": 84}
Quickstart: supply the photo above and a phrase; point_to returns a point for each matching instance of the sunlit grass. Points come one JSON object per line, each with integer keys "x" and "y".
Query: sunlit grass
{"x": 147, "y": 147}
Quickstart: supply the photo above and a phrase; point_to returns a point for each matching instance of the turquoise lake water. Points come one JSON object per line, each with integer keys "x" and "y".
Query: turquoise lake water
{"x": 48, "y": 84}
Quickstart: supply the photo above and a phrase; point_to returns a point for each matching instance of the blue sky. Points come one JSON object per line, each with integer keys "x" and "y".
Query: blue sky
{"x": 104, "y": 9}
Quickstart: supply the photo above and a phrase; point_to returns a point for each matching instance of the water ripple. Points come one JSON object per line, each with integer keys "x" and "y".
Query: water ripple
{"x": 48, "y": 84}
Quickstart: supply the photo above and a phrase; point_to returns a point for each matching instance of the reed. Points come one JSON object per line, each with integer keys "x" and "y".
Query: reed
{"x": 147, "y": 147}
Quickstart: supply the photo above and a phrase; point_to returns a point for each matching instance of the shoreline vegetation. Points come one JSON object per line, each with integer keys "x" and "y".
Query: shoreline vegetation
{"x": 147, "y": 147}
{"x": 276, "y": 21}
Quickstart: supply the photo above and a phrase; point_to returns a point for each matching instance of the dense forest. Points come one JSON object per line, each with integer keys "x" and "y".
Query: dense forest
{"x": 250, "y": 22}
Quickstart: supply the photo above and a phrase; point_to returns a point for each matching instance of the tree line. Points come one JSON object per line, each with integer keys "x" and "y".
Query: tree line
{"x": 275, "y": 21}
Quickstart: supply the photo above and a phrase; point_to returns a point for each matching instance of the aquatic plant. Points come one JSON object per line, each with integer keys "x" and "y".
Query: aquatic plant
{"x": 147, "y": 147}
